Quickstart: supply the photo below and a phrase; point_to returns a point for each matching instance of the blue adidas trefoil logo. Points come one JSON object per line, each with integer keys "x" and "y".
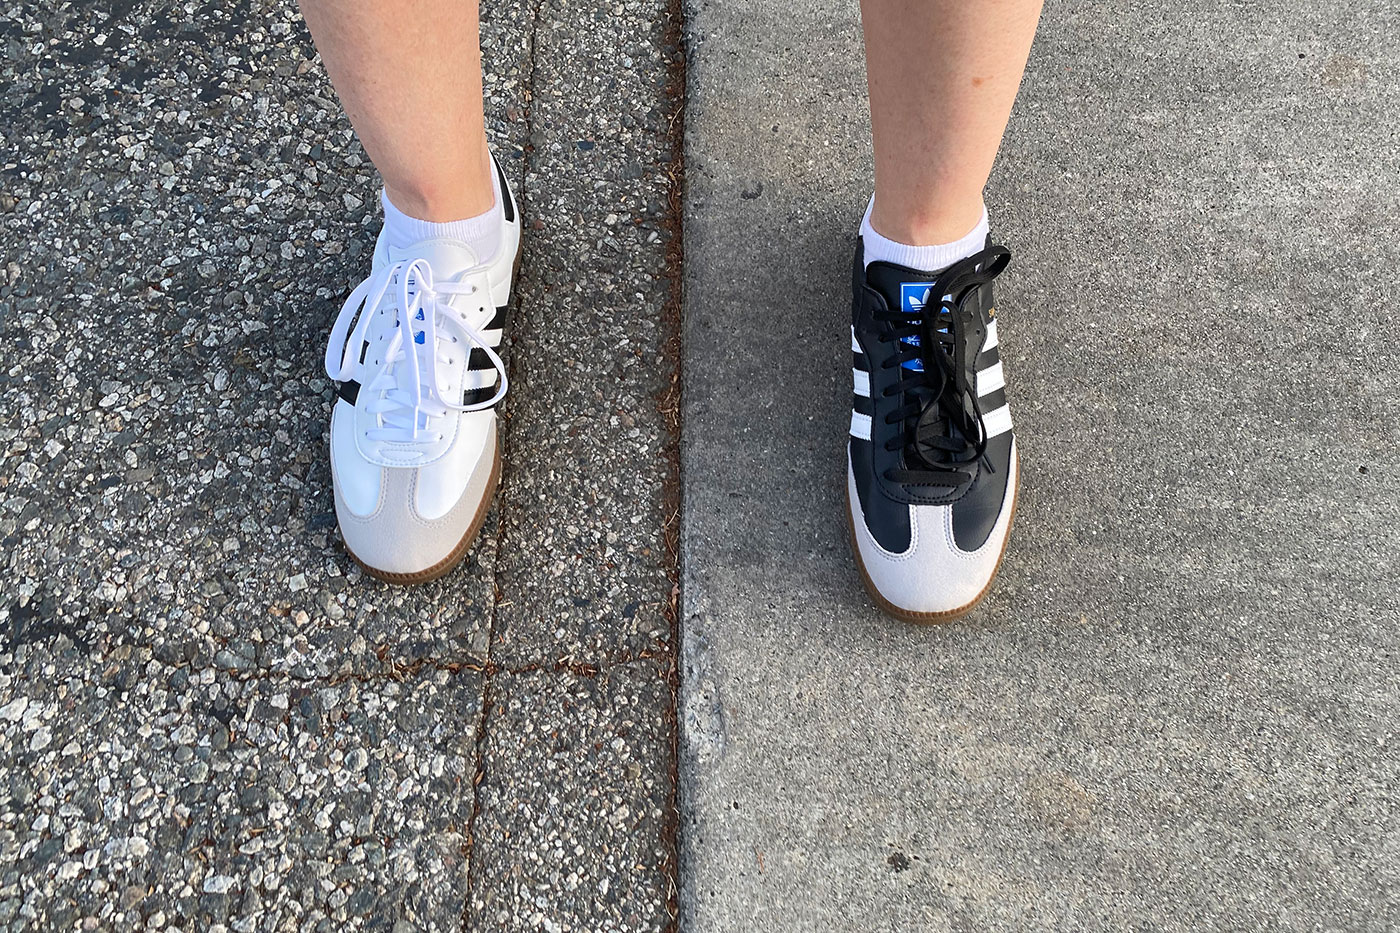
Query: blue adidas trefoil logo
{"x": 913, "y": 295}
{"x": 912, "y": 298}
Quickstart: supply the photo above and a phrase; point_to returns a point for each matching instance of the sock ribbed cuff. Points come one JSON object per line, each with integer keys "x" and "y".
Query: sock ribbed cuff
{"x": 936, "y": 258}
{"x": 482, "y": 232}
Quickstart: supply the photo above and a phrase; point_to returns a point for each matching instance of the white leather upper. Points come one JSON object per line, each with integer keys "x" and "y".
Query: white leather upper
{"x": 442, "y": 482}
{"x": 358, "y": 480}
{"x": 446, "y": 258}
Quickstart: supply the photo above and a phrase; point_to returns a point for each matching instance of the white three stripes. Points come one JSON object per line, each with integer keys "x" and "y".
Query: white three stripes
{"x": 989, "y": 380}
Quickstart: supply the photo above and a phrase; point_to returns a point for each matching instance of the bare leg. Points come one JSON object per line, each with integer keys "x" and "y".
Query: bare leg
{"x": 943, "y": 75}
{"x": 409, "y": 75}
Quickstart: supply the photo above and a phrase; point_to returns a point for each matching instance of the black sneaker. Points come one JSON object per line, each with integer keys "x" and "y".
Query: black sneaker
{"x": 931, "y": 481}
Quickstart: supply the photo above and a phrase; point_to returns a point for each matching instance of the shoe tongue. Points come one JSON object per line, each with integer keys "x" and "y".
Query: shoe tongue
{"x": 448, "y": 258}
{"x": 903, "y": 288}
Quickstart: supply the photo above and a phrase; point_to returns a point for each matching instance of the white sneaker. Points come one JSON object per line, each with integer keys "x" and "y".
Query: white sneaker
{"x": 414, "y": 452}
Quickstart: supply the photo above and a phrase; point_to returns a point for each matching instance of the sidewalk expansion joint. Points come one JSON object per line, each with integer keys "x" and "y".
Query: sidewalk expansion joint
{"x": 669, "y": 405}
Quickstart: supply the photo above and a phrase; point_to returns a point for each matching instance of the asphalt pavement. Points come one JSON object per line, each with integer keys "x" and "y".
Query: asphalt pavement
{"x": 209, "y": 718}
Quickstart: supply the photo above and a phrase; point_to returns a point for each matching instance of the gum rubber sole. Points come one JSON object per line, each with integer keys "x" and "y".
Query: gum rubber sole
{"x": 928, "y": 618}
{"x": 450, "y": 562}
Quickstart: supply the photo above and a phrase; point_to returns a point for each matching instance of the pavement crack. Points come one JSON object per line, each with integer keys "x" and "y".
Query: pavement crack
{"x": 491, "y": 668}
{"x": 488, "y": 699}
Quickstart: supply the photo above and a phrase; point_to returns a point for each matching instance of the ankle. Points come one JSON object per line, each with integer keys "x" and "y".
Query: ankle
{"x": 441, "y": 204}
{"x": 468, "y": 189}
{"x": 921, "y": 253}
{"x": 481, "y": 231}
{"x": 925, "y": 225}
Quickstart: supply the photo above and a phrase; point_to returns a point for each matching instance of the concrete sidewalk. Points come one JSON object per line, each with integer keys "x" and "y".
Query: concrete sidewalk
{"x": 1178, "y": 711}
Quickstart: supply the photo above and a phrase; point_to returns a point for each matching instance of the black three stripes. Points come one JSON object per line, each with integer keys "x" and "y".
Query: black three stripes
{"x": 479, "y": 360}
{"x": 498, "y": 320}
{"x": 507, "y": 202}
{"x": 350, "y": 389}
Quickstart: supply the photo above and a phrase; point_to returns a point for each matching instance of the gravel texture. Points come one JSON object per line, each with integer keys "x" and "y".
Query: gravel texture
{"x": 211, "y": 719}
{"x": 141, "y": 796}
{"x": 586, "y": 509}
{"x": 572, "y": 836}
{"x": 577, "y": 829}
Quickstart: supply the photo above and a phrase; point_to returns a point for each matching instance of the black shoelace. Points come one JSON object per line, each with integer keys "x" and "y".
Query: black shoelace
{"x": 941, "y": 429}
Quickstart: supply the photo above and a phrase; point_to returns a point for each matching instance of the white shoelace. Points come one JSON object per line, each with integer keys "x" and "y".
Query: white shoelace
{"x": 407, "y": 387}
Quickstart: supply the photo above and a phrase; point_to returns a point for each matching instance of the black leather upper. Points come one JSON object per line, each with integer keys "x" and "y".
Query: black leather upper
{"x": 976, "y": 504}
{"x": 507, "y": 202}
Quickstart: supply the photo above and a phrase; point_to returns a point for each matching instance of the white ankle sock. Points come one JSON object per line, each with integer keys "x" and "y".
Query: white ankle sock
{"x": 482, "y": 233}
{"x": 936, "y": 258}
